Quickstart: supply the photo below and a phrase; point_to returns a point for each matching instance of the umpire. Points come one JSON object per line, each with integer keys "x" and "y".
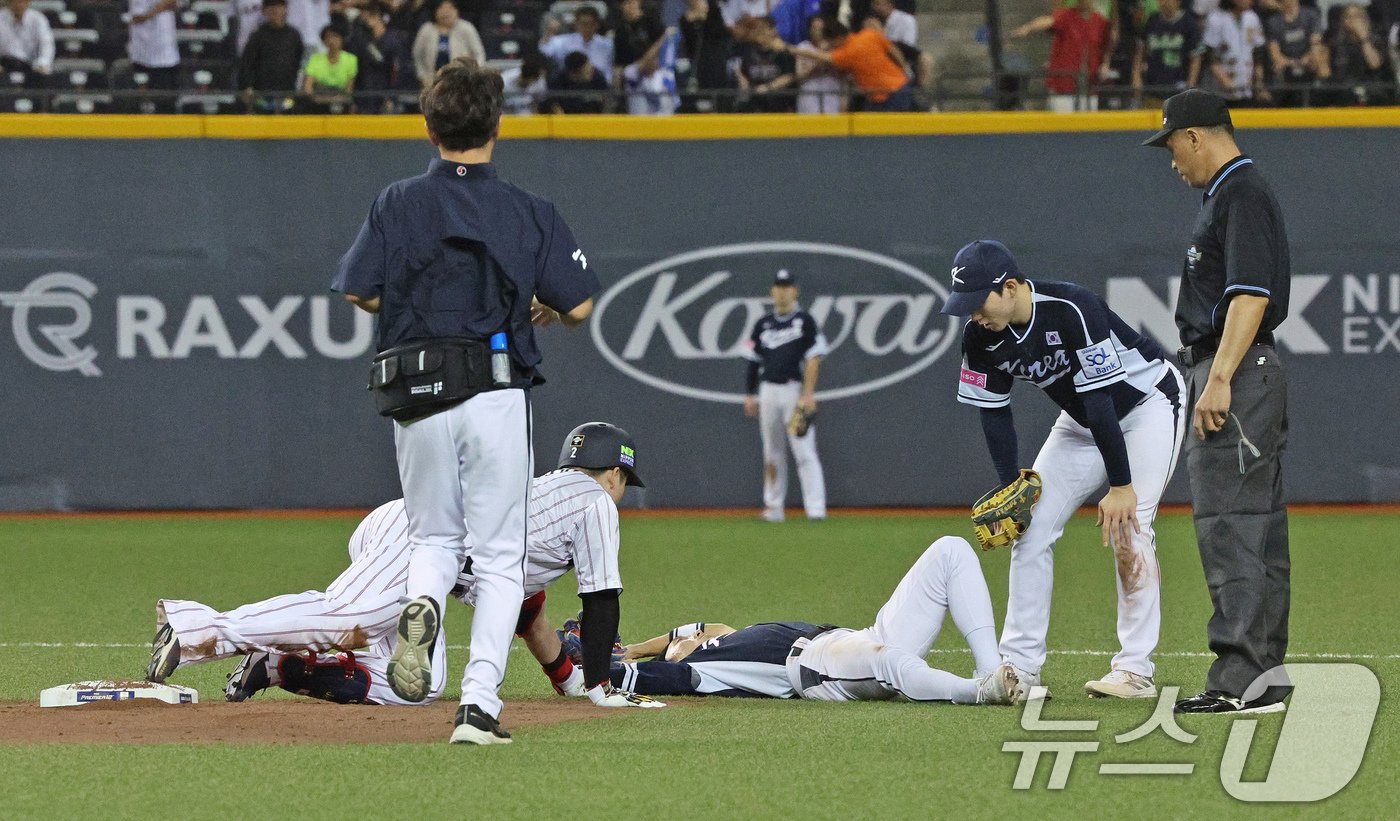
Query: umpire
{"x": 1234, "y": 293}
{"x": 451, "y": 261}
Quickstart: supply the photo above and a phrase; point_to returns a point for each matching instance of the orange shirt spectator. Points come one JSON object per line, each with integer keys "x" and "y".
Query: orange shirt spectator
{"x": 865, "y": 55}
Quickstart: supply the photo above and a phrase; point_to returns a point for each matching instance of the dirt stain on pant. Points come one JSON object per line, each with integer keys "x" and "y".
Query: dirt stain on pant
{"x": 1130, "y": 567}
{"x": 770, "y": 472}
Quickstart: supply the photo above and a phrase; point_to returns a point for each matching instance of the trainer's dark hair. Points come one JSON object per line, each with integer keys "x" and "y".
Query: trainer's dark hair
{"x": 462, "y": 105}
{"x": 274, "y": 2}
{"x": 588, "y": 11}
{"x": 1224, "y": 128}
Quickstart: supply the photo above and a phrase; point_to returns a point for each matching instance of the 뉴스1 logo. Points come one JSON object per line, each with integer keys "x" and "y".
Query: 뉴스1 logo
{"x": 57, "y": 290}
{"x": 681, "y": 324}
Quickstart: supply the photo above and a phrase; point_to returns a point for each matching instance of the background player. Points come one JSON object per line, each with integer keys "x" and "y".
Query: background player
{"x": 1121, "y": 419}
{"x": 573, "y": 524}
{"x": 452, "y": 262}
{"x": 827, "y": 663}
{"x": 785, "y": 351}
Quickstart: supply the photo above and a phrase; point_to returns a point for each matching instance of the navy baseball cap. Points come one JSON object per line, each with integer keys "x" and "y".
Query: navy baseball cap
{"x": 1192, "y": 108}
{"x": 982, "y": 266}
{"x": 784, "y": 277}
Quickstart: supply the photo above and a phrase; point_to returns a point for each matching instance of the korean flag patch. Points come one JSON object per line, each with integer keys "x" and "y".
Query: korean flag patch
{"x": 1052, "y": 338}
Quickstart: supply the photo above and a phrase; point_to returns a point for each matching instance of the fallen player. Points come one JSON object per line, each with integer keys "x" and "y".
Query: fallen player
{"x": 285, "y": 640}
{"x": 828, "y": 663}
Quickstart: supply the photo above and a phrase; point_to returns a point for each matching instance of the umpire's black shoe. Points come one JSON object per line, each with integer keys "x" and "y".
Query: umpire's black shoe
{"x": 1219, "y": 701}
{"x": 475, "y": 727}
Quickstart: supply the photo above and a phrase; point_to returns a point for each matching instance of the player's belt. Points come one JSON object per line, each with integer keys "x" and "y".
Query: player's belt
{"x": 1190, "y": 355}
{"x": 807, "y": 678}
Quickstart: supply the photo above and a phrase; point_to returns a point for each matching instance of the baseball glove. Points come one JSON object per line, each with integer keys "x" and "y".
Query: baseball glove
{"x": 572, "y": 639}
{"x": 1000, "y": 517}
{"x": 801, "y": 420}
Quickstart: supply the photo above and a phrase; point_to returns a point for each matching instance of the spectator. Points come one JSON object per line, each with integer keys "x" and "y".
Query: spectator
{"x": 152, "y": 46}
{"x": 902, "y": 29}
{"x": 247, "y": 16}
{"x": 794, "y": 18}
{"x": 1232, "y": 34}
{"x": 272, "y": 57}
{"x": 1296, "y": 53}
{"x": 765, "y": 70}
{"x": 385, "y": 58}
{"x": 585, "y": 38}
{"x": 1168, "y": 57}
{"x": 409, "y": 16}
{"x": 707, "y": 44}
{"x": 873, "y": 63}
{"x": 26, "y": 40}
{"x": 819, "y": 84}
{"x": 331, "y": 72}
{"x": 526, "y": 86}
{"x": 308, "y": 17}
{"x": 579, "y": 77}
{"x": 650, "y": 82}
{"x": 1359, "y": 59}
{"x": 635, "y": 34}
{"x": 444, "y": 40}
{"x": 1126, "y": 21}
{"x": 1078, "y": 55}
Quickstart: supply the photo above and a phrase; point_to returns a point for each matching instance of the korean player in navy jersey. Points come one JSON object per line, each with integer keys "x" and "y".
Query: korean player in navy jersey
{"x": 1121, "y": 421}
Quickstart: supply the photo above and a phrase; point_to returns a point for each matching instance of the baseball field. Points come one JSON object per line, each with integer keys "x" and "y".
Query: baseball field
{"x": 78, "y": 604}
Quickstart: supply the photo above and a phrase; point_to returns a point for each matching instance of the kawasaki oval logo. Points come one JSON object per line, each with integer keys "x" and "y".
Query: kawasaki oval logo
{"x": 680, "y": 325}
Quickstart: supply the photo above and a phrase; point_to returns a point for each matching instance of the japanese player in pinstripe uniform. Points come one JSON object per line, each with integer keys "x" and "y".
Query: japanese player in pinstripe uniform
{"x": 785, "y": 351}
{"x": 1121, "y": 420}
{"x": 827, "y": 663}
{"x": 573, "y": 523}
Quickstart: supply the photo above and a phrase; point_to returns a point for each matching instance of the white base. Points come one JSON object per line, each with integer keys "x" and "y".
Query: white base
{"x": 86, "y": 692}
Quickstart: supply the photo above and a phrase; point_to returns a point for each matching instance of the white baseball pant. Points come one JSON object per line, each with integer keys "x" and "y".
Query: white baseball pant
{"x": 887, "y": 658}
{"x": 1071, "y": 469}
{"x": 358, "y": 610}
{"x": 468, "y": 468}
{"x": 775, "y": 406}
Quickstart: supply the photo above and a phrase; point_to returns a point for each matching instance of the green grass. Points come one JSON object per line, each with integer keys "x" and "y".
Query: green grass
{"x": 96, "y": 580}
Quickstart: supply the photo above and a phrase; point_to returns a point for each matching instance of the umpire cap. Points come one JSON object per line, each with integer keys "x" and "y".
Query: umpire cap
{"x": 599, "y": 446}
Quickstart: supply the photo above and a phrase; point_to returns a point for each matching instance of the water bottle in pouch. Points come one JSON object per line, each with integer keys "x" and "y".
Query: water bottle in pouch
{"x": 500, "y": 361}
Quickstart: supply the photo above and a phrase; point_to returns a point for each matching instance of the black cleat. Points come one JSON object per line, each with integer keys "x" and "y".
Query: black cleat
{"x": 475, "y": 727}
{"x": 165, "y": 654}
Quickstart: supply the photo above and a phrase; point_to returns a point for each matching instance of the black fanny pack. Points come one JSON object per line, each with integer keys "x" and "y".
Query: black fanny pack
{"x": 422, "y": 378}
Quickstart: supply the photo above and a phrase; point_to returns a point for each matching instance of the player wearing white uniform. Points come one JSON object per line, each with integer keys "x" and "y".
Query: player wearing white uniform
{"x": 785, "y": 351}
{"x": 573, "y": 523}
{"x": 827, "y": 663}
{"x": 1121, "y": 420}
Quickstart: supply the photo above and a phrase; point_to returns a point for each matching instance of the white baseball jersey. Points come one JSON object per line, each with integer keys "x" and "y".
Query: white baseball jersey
{"x": 573, "y": 523}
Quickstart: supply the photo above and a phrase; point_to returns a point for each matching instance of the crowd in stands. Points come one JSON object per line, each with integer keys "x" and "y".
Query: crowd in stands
{"x": 370, "y": 56}
{"x": 1129, "y": 53}
{"x": 663, "y": 56}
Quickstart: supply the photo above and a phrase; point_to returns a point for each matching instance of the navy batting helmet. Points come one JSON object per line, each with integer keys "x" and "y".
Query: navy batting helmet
{"x": 599, "y": 446}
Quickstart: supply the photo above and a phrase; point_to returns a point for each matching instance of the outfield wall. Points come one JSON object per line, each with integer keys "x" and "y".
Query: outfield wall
{"x": 167, "y": 339}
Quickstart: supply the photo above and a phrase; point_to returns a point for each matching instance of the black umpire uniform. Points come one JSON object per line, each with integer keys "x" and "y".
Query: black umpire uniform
{"x": 1238, "y": 246}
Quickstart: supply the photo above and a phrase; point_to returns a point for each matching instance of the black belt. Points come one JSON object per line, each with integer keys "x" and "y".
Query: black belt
{"x": 1190, "y": 355}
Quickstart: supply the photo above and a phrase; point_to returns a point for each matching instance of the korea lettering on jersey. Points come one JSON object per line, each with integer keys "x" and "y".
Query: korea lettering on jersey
{"x": 573, "y": 523}
{"x": 1071, "y": 333}
{"x": 783, "y": 343}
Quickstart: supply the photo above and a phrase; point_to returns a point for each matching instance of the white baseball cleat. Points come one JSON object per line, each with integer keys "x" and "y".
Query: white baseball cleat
{"x": 1122, "y": 684}
{"x": 1001, "y": 686}
{"x": 165, "y": 654}
{"x": 774, "y": 516}
{"x": 411, "y": 667}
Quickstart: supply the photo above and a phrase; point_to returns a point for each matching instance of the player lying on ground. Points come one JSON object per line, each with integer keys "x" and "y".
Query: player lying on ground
{"x": 573, "y": 523}
{"x": 827, "y": 663}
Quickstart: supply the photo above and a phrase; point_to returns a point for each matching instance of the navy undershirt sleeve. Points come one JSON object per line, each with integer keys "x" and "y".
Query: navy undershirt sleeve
{"x": 1000, "y": 429}
{"x": 751, "y": 378}
{"x": 1102, "y": 421}
{"x": 601, "y": 614}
